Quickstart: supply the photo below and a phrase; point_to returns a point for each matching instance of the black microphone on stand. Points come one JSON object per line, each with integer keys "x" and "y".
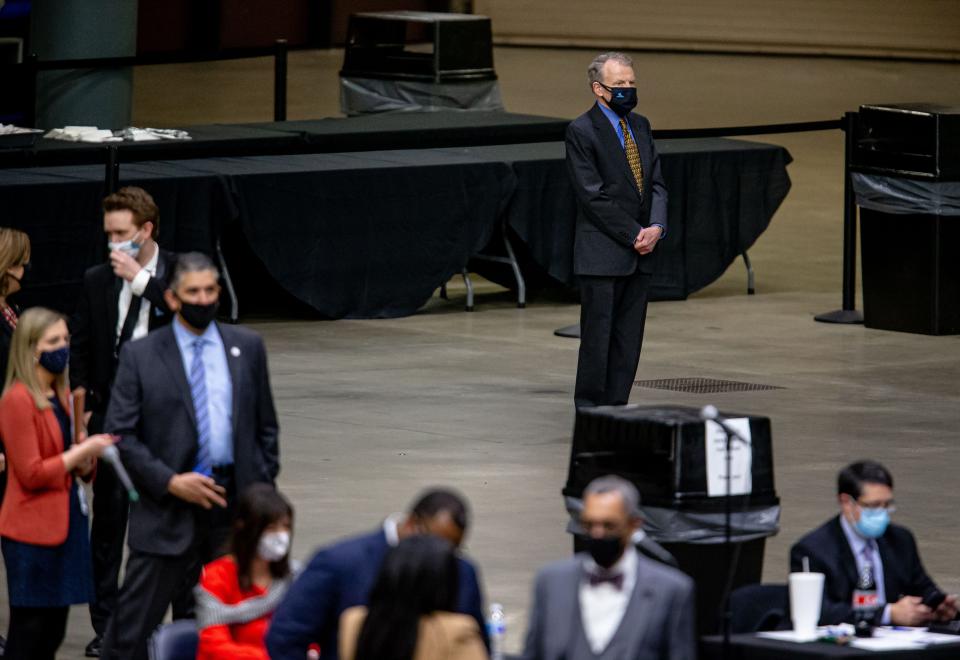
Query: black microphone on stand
{"x": 112, "y": 456}
{"x": 711, "y": 414}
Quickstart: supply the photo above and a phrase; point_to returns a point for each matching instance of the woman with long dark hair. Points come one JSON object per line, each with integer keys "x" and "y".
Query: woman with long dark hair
{"x": 238, "y": 593}
{"x": 411, "y": 612}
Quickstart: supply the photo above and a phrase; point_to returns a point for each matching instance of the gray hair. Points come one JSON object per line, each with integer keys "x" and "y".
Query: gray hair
{"x": 595, "y": 70}
{"x": 614, "y": 484}
{"x": 191, "y": 262}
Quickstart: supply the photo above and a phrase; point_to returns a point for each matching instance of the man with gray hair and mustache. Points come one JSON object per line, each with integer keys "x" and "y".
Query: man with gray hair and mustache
{"x": 611, "y": 601}
{"x": 621, "y": 216}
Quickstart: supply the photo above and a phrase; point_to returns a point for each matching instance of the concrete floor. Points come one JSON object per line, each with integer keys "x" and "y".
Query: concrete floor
{"x": 372, "y": 411}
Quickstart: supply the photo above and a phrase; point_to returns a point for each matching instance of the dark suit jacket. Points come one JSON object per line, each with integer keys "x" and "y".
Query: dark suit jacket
{"x": 6, "y": 334}
{"x": 151, "y": 408}
{"x": 339, "y": 577}
{"x": 93, "y": 328}
{"x": 830, "y": 554}
{"x": 610, "y": 211}
{"x": 659, "y": 621}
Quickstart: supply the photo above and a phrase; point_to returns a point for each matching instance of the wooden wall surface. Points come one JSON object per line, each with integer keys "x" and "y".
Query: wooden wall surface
{"x": 893, "y": 28}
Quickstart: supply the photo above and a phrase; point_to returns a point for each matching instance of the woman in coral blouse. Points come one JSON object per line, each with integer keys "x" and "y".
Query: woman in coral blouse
{"x": 238, "y": 593}
{"x": 43, "y": 520}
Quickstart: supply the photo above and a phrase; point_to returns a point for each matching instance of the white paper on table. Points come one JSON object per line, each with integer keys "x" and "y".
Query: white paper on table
{"x": 886, "y": 644}
{"x": 787, "y": 636}
{"x": 741, "y": 459}
{"x": 915, "y": 635}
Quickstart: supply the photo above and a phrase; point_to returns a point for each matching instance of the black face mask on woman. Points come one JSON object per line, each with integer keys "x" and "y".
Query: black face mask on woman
{"x": 622, "y": 99}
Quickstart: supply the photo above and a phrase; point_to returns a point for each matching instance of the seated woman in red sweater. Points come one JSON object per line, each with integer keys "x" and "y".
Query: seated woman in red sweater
{"x": 238, "y": 593}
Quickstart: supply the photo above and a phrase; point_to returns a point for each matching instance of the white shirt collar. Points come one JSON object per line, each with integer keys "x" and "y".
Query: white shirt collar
{"x": 391, "y": 529}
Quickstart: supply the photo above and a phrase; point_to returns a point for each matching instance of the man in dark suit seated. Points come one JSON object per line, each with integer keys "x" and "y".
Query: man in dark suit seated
{"x": 860, "y": 537}
{"x": 193, "y": 408}
{"x": 611, "y": 602}
{"x": 341, "y": 576}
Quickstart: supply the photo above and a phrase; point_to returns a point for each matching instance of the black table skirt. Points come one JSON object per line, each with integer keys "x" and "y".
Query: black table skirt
{"x": 751, "y": 647}
{"x": 390, "y": 131}
{"x": 722, "y": 196}
{"x": 373, "y": 234}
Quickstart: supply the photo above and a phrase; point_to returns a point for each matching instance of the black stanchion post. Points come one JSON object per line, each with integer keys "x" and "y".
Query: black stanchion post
{"x": 111, "y": 179}
{"x": 30, "y": 110}
{"x": 848, "y": 313}
{"x": 280, "y": 81}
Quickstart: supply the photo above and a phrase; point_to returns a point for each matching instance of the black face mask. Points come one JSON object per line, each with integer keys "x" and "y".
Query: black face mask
{"x": 622, "y": 99}
{"x": 199, "y": 316}
{"x": 19, "y": 280}
{"x": 605, "y": 550}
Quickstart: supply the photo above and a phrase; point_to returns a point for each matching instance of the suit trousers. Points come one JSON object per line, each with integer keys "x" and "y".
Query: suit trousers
{"x": 110, "y": 507}
{"x": 35, "y": 633}
{"x": 613, "y": 311}
{"x": 153, "y": 583}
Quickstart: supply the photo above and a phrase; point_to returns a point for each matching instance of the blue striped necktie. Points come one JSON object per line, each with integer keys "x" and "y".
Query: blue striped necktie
{"x": 198, "y": 390}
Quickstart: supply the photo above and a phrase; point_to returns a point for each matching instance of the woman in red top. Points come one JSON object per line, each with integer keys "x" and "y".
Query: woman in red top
{"x": 43, "y": 520}
{"x": 238, "y": 593}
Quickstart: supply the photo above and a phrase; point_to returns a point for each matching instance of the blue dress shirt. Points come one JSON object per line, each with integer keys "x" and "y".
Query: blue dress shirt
{"x": 219, "y": 387}
{"x": 615, "y": 122}
{"x": 857, "y": 544}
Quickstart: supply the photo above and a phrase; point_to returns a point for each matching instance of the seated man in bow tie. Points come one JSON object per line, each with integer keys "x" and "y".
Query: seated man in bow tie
{"x": 862, "y": 536}
{"x": 611, "y": 602}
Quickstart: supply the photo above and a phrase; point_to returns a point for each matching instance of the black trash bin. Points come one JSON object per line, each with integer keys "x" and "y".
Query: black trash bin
{"x": 906, "y": 176}
{"x": 418, "y": 61}
{"x": 662, "y": 450}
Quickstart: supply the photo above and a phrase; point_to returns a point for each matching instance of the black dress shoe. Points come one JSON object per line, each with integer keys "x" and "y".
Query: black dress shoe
{"x": 93, "y": 648}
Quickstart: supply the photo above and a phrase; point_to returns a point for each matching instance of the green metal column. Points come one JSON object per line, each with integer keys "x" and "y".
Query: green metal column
{"x": 66, "y": 29}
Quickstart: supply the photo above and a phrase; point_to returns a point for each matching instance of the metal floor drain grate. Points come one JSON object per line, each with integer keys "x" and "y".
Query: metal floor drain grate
{"x": 703, "y": 385}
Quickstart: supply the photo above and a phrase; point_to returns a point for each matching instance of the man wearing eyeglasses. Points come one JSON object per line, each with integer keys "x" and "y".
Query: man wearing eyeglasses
{"x": 861, "y": 537}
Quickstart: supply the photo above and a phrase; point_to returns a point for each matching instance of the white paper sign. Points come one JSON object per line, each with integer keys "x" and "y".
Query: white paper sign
{"x": 741, "y": 459}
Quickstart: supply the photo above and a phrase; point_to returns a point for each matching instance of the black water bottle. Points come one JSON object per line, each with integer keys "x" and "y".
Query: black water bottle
{"x": 865, "y": 602}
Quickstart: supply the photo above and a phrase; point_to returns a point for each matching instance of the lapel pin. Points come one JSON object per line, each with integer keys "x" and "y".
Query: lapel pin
{"x": 234, "y": 351}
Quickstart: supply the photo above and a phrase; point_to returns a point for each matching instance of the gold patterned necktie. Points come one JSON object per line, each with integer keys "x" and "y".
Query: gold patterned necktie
{"x": 633, "y": 155}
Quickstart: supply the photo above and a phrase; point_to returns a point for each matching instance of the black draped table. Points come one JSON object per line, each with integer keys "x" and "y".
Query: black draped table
{"x": 722, "y": 196}
{"x": 373, "y": 234}
{"x": 403, "y": 130}
{"x": 751, "y": 647}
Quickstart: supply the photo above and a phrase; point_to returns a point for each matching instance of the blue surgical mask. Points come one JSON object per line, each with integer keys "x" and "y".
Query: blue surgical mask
{"x": 130, "y": 247}
{"x": 873, "y": 522}
{"x": 55, "y": 361}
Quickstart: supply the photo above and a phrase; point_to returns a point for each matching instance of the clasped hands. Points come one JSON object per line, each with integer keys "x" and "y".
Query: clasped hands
{"x": 647, "y": 239}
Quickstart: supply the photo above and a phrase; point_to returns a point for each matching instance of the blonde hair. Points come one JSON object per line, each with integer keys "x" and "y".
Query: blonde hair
{"x": 14, "y": 251}
{"x": 31, "y": 327}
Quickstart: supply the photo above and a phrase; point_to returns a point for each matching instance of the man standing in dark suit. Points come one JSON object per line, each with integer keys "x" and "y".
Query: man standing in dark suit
{"x": 121, "y": 300}
{"x": 611, "y": 602}
{"x": 860, "y": 538}
{"x": 341, "y": 576}
{"x": 621, "y": 214}
{"x": 193, "y": 408}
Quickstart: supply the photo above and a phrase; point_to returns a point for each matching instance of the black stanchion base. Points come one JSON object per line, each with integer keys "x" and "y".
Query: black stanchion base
{"x": 848, "y": 316}
{"x": 572, "y": 331}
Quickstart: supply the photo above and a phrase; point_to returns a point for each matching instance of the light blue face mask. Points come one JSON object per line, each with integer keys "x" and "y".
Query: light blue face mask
{"x": 129, "y": 247}
{"x": 873, "y": 522}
